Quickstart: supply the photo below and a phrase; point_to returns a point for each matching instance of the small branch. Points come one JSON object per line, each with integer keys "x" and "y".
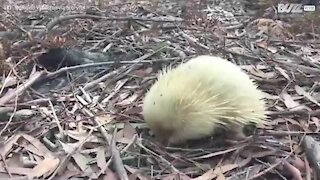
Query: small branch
{"x": 55, "y": 117}
{"x": 20, "y": 89}
{"x": 63, "y": 163}
{"x": 6, "y": 165}
{"x": 137, "y": 61}
{"x": 115, "y": 154}
{"x": 11, "y": 117}
{"x": 295, "y": 112}
{"x": 58, "y": 20}
{"x": 306, "y": 69}
{"x": 122, "y": 70}
{"x": 173, "y": 169}
{"x": 194, "y": 41}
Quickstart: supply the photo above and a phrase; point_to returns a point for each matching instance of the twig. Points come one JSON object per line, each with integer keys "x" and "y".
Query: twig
{"x": 122, "y": 69}
{"x": 298, "y": 57}
{"x": 103, "y": 78}
{"x": 266, "y": 170}
{"x": 295, "y": 112}
{"x": 268, "y": 165}
{"x": 299, "y": 67}
{"x": 133, "y": 141}
{"x": 5, "y": 82}
{"x": 210, "y": 155}
{"x": 194, "y": 41}
{"x": 13, "y": 16}
{"x": 55, "y": 117}
{"x": 11, "y": 117}
{"x": 174, "y": 169}
{"x": 116, "y": 158}
{"x": 65, "y": 160}
{"x": 308, "y": 169}
{"x": 276, "y": 164}
{"x": 137, "y": 61}
{"x": 6, "y": 165}
{"x": 285, "y": 133}
{"x": 58, "y": 20}
{"x": 115, "y": 154}
{"x": 22, "y": 88}
{"x": 115, "y": 91}
{"x": 293, "y": 41}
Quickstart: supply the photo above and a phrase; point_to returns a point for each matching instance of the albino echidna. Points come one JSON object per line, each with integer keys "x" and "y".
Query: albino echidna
{"x": 190, "y": 101}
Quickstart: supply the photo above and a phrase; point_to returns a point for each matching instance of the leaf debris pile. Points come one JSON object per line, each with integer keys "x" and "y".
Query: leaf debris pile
{"x": 85, "y": 121}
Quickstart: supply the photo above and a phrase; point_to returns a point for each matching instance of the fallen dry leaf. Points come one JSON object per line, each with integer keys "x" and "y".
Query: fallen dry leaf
{"x": 105, "y": 118}
{"x": 225, "y": 168}
{"x": 211, "y": 174}
{"x": 296, "y": 123}
{"x": 133, "y": 111}
{"x": 126, "y": 134}
{"x": 221, "y": 177}
{"x": 14, "y": 161}
{"x": 83, "y": 163}
{"x": 258, "y": 72}
{"x": 176, "y": 177}
{"x": 298, "y": 163}
{"x": 264, "y": 45}
{"x": 81, "y": 136}
{"x": 142, "y": 72}
{"x": 302, "y": 92}
{"x": 24, "y": 113}
{"x": 135, "y": 173}
{"x": 44, "y": 168}
{"x": 110, "y": 175}
{"x": 128, "y": 100}
{"x": 8, "y": 82}
{"x": 129, "y": 131}
{"x": 42, "y": 148}
{"x": 101, "y": 159}
{"x": 5, "y": 149}
{"x": 283, "y": 73}
{"x": 289, "y": 102}
{"x": 17, "y": 170}
{"x": 2, "y": 54}
{"x": 238, "y": 50}
{"x": 210, "y": 155}
{"x": 69, "y": 147}
{"x": 38, "y": 148}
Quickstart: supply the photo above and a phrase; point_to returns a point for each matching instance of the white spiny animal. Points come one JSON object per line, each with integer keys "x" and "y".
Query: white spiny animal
{"x": 190, "y": 101}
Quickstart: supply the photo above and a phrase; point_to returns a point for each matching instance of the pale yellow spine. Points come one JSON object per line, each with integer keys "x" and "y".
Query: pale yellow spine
{"x": 191, "y": 100}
